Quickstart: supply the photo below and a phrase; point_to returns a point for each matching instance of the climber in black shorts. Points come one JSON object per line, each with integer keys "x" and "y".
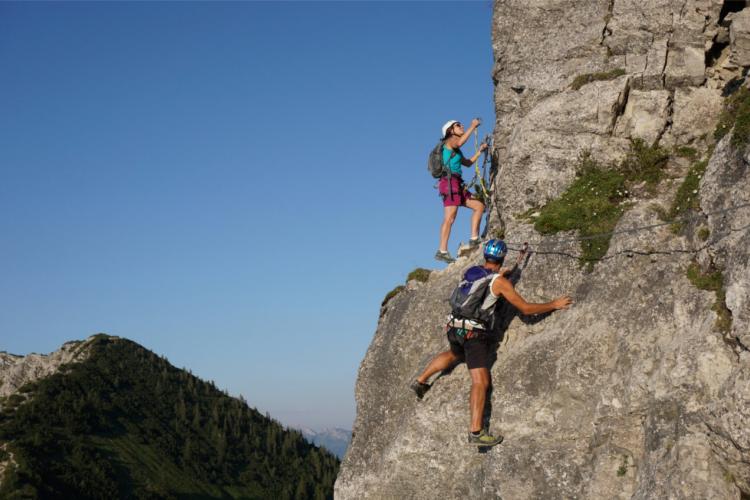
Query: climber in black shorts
{"x": 469, "y": 339}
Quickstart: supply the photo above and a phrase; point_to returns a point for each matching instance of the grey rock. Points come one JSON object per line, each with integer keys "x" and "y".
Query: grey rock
{"x": 16, "y": 371}
{"x": 645, "y": 116}
{"x": 633, "y": 392}
{"x": 739, "y": 38}
{"x": 726, "y": 184}
{"x": 695, "y": 112}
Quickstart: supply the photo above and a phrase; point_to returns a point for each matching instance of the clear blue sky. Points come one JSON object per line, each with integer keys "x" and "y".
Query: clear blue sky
{"x": 235, "y": 186}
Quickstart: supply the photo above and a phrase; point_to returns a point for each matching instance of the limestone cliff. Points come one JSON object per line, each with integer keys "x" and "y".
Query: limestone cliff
{"x": 16, "y": 371}
{"x": 642, "y": 389}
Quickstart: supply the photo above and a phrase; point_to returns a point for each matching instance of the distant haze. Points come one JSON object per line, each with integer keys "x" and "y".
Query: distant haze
{"x": 335, "y": 440}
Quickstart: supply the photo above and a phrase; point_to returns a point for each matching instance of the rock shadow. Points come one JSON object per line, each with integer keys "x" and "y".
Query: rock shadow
{"x": 505, "y": 314}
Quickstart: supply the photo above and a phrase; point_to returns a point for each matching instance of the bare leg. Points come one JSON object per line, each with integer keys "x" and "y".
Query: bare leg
{"x": 449, "y": 217}
{"x": 441, "y": 362}
{"x": 480, "y": 381}
{"x": 476, "y": 218}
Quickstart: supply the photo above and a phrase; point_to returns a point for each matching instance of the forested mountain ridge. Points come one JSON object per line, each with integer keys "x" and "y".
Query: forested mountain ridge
{"x": 125, "y": 423}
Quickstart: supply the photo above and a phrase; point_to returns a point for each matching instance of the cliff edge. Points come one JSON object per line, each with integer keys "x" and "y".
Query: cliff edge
{"x": 641, "y": 389}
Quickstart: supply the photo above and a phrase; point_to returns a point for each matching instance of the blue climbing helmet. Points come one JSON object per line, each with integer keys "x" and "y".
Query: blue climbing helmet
{"x": 495, "y": 250}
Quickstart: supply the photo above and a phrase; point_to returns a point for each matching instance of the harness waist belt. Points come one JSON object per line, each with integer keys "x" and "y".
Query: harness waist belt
{"x": 466, "y": 324}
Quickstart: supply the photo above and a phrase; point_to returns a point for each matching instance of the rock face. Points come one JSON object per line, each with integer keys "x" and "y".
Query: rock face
{"x": 15, "y": 371}
{"x": 634, "y": 392}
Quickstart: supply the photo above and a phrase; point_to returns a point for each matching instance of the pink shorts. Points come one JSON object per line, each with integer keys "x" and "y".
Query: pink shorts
{"x": 460, "y": 195}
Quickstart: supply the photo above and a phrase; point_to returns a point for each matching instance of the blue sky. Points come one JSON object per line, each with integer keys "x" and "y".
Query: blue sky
{"x": 235, "y": 186}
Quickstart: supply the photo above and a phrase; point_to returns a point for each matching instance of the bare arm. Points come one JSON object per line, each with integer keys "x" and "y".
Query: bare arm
{"x": 468, "y": 163}
{"x": 467, "y": 133}
{"x": 501, "y": 286}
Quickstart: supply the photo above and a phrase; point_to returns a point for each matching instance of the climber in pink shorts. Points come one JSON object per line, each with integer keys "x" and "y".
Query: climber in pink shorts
{"x": 452, "y": 189}
{"x": 456, "y": 194}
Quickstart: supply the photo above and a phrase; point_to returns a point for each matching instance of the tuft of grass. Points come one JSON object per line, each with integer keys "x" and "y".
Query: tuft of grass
{"x": 723, "y": 314}
{"x": 581, "y": 80}
{"x": 498, "y": 234}
{"x": 644, "y": 163}
{"x": 420, "y": 274}
{"x": 590, "y": 205}
{"x": 392, "y": 294}
{"x": 736, "y": 114}
{"x": 713, "y": 280}
{"x": 687, "y": 197}
{"x": 686, "y": 152}
{"x": 623, "y": 469}
{"x": 703, "y": 233}
{"x": 728, "y": 477}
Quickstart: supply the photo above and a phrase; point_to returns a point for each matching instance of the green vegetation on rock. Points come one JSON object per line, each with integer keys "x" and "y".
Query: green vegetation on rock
{"x": 623, "y": 469}
{"x": 125, "y": 423}
{"x": 420, "y": 274}
{"x": 581, "y": 80}
{"x": 723, "y": 314}
{"x": 736, "y": 114}
{"x": 712, "y": 280}
{"x": 392, "y": 294}
{"x": 595, "y": 201}
{"x": 591, "y": 205}
{"x": 687, "y": 197}
{"x": 686, "y": 152}
{"x": 644, "y": 163}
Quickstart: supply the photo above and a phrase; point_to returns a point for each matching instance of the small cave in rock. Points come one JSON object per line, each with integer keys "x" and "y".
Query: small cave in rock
{"x": 731, "y": 6}
{"x": 714, "y": 53}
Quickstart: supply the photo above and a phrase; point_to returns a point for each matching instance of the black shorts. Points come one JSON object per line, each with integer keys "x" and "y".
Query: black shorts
{"x": 477, "y": 351}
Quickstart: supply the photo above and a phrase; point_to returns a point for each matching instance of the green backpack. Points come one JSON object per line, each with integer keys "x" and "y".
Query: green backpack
{"x": 435, "y": 164}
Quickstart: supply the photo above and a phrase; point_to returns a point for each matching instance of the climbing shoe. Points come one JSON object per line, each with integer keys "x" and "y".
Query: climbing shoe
{"x": 444, "y": 257}
{"x": 419, "y": 388}
{"x": 474, "y": 242}
{"x": 484, "y": 439}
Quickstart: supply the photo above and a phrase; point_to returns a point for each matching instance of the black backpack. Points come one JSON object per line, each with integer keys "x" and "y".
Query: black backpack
{"x": 469, "y": 296}
{"x": 435, "y": 164}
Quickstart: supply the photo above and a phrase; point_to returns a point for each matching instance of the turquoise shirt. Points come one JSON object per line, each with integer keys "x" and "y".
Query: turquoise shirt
{"x": 455, "y": 162}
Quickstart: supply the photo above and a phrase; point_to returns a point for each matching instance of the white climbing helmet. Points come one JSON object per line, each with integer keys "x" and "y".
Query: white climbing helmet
{"x": 448, "y": 125}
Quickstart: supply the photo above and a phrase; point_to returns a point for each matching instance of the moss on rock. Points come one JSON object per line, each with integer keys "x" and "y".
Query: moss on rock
{"x": 713, "y": 280}
{"x": 687, "y": 197}
{"x": 736, "y": 114}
